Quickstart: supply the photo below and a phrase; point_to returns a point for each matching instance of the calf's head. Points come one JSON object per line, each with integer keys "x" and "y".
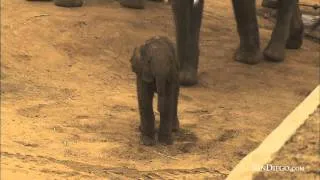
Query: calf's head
{"x": 155, "y": 64}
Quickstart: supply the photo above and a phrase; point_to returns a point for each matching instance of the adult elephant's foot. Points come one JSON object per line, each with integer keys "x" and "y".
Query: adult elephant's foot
{"x": 68, "y": 3}
{"x": 175, "y": 126}
{"x": 295, "y": 40}
{"x": 135, "y": 4}
{"x": 274, "y": 52}
{"x": 248, "y": 57}
{"x": 188, "y": 77}
{"x": 148, "y": 140}
{"x": 165, "y": 139}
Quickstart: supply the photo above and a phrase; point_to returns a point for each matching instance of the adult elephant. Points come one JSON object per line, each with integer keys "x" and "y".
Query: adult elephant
{"x": 188, "y": 15}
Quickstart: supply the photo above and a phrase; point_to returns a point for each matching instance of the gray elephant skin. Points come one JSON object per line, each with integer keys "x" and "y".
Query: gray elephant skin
{"x": 157, "y": 71}
{"x": 287, "y": 33}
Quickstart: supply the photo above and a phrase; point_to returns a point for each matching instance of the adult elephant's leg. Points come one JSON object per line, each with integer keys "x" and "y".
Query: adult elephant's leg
{"x": 185, "y": 13}
{"x": 247, "y": 26}
{"x": 275, "y": 50}
{"x": 145, "y": 99}
{"x": 296, "y": 30}
{"x": 181, "y": 11}
{"x": 68, "y": 3}
{"x": 192, "y": 61}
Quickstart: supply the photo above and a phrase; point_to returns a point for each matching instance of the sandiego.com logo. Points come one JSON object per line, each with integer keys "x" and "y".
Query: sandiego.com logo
{"x": 278, "y": 168}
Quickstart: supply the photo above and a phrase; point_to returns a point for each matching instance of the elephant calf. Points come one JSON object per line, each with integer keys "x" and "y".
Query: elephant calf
{"x": 157, "y": 70}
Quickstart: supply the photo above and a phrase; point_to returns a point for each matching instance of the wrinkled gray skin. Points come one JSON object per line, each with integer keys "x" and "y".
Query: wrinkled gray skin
{"x": 287, "y": 33}
{"x": 157, "y": 70}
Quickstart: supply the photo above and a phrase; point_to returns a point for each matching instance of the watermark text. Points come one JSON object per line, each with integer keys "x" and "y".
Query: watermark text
{"x": 279, "y": 168}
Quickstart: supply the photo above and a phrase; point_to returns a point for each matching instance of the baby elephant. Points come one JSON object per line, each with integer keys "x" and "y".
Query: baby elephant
{"x": 157, "y": 69}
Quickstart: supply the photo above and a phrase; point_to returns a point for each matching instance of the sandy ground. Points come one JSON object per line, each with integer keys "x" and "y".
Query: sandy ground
{"x": 302, "y": 150}
{"x": 69, "y": 109}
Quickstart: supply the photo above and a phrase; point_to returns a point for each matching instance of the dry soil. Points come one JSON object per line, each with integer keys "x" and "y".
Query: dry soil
{"x": 68, "y": 99}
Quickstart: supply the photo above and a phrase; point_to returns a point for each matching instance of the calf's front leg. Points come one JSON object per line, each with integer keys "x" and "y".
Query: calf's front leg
{"x": 168, "y": 115}
{"x": 145, "y": 98}
{"x": 175, "y": 123}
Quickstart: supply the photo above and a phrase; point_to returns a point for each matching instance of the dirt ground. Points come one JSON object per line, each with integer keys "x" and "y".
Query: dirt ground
{"x": 302, "y": 150}
{"x": 69, "y": 109}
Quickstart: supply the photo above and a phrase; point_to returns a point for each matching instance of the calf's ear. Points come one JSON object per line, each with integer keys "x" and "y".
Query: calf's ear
{"x": 136, "y": 63}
